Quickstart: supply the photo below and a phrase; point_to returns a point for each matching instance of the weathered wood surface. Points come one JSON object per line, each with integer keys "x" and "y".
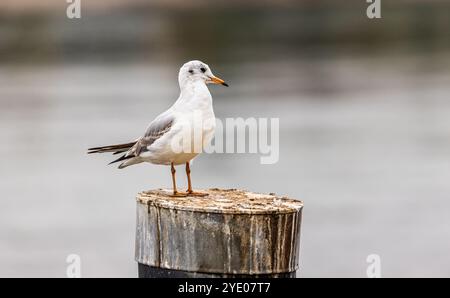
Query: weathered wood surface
{"x": 229, "y": 232}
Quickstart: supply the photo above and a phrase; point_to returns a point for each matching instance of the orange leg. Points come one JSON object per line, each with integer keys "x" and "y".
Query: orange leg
{"x": 175, "y": 192}
{"x": 189, "y": 190}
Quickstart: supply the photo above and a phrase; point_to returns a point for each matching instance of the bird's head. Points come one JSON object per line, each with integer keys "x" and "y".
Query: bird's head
{"x": 197, "y": 71}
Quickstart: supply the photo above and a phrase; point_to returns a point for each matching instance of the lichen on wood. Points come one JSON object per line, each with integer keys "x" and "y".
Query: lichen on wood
{"x": 222, "y": 201}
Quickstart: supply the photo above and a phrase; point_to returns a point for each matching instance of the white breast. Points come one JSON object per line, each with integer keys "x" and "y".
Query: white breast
{"x": 193, "y": 128}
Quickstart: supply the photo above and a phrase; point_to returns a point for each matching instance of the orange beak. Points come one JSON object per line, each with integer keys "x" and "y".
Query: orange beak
{"x": 216, "y": 80}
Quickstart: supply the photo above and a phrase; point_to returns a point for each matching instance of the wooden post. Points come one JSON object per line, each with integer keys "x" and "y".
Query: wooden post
{"x": 230, "y": 233}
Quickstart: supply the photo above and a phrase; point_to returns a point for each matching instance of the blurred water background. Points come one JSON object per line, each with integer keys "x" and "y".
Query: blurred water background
{"x": 364, "y": 117}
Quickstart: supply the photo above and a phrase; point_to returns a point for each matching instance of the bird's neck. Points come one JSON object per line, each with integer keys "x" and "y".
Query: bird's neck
{"x": 195, "y": 94}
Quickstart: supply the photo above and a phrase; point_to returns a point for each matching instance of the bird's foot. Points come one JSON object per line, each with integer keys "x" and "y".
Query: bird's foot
{"x": 196, "y": 193}
{"x": 177, "y": 194}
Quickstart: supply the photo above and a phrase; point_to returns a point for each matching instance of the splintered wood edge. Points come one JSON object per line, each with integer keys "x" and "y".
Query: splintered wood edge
{"x": 229, "y": 201}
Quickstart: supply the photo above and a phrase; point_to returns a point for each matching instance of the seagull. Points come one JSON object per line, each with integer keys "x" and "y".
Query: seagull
{"x": 159, "y": 143}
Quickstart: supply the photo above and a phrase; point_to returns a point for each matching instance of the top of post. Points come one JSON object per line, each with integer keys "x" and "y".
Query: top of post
{"x": 230, "y": 201}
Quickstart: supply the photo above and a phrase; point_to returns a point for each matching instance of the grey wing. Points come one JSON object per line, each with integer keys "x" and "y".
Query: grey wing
{"x": 159, "y": 127}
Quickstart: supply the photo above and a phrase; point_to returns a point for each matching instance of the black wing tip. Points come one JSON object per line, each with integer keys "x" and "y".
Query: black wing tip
{"x": 123, "y": 157}
{"x": 97, "y": 148}
{"x": 111, "y": 148}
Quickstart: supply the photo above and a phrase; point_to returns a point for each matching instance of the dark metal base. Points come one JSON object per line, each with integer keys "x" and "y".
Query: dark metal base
{"x": 146, "y": 271}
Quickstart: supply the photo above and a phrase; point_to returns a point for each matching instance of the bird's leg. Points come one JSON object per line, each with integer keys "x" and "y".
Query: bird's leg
{"x": 188, "y": 174}
{"x": 175, "y": 192}
{"x": 190, "y": 192}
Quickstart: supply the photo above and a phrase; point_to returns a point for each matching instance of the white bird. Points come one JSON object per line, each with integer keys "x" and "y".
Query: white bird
{"x": 161, "y": 143}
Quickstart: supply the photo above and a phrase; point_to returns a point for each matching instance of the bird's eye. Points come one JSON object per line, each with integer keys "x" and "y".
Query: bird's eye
{"x": 191, "y": 71}
{"x": 203, "y": 69}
